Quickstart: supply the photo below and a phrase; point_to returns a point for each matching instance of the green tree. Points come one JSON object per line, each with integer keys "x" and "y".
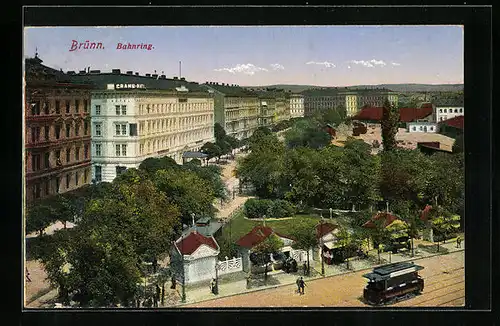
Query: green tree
{"x": 264, "y": 166}
{"x": 304, "y": 238}
{"x": 212, "y": 150}
{"x": 389, "y": 124}
{"x": 153, "y": 164}
{"x": 360, "y": 173}
{"x": 272, "y": 244}
{"x": 409, "y": 213}
{"x": 219, "y": 132}
{"x": 444, "y": 223}
{"x": 39, "y": 216}
{"x": 405, "y": 175}
{"x": 187, "y": 191}
{"x": 212, "y": 174}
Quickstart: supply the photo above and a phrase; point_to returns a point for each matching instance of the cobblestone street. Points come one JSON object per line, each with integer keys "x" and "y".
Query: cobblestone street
{"x": 444, "y": 276}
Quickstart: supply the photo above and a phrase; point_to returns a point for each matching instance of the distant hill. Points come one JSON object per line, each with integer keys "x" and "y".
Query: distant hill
{"x": 403, "y": 88}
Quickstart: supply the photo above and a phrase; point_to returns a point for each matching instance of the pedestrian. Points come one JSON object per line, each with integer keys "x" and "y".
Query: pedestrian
{"x": 28, "y": 275}
{"x": 459, "y": 242}
{"x": 212, "y": 286}
{"x": 298, "y": 285}
{"x": 305, "y": 269}
{"x": 302, "y": 285}
{"x": 173, "y": 283}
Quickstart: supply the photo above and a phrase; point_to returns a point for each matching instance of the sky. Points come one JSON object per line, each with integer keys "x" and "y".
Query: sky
{"x": 263, "y": 55}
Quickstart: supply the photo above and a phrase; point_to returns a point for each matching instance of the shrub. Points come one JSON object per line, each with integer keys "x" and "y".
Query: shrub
{"x": 257, "y": 208}
{"x": 282, "y": 208}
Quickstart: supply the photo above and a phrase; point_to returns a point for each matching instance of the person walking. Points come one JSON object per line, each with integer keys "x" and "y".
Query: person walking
{"x": 298, "y": 284}
{"x": 459, "y": 242}
{"x": 302, "y": 285}
{"x": 212, "y": 286}
{"x": 305, "y": 268}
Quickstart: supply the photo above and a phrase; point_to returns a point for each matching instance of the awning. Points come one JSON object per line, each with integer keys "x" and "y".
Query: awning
{"x": 330, "y": 244}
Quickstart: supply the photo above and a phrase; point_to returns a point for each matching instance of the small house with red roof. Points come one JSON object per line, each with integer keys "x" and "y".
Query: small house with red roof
{"x": 256, "y": 236}
{"x": 194, "y": 255}
{"x": 327, "y": 240}
{"x": 391, "y": 222}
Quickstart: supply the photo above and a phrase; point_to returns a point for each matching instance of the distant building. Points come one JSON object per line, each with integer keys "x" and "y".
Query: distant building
{"x": 236, "y": 109}
{"x": 350, "y": 100}
{"x": 136, "y": 117}
{"x": 422, "y": 127}
{"x": 57, "y": 131}
{"x": 296, "y": 105}
{"x": 442, "y": 113}
{"x": 452, "y": 127}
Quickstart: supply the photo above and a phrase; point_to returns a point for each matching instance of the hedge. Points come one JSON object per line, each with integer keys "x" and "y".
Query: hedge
{"x": 257, "y": 208}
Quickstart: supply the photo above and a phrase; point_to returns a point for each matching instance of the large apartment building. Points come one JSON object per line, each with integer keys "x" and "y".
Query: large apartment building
{"x": 351, "y": 101}
{"x": 274, "y": 106}
{"x": 136, "y": 117}
{"x": 296, "y": 105}
{"x": 57, "y": 131}
{"x": 236, "y": 109}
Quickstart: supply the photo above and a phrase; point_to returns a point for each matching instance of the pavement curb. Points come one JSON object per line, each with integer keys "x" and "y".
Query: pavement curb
{"x": 310, "y": 279}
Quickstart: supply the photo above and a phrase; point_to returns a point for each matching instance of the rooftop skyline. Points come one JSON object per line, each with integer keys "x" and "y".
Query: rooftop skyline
{"x": 262, "y": 55}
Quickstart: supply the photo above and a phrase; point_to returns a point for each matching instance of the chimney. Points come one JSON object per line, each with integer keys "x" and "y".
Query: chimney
{"x": 137, "y": 74}
{"x": 163, "y": 77}
{"x": 82, "y": 72}
{"x": 130, "y": 72}
{"x": 155, "y": 76}
{"x": 115, "y": 71}
{"x": 182, "y": 78}
{"x": 95, "y": 71}
{"x": 71, "y": 72}
{"x": 176, "y": 78}
{"x": 148, "y": 75}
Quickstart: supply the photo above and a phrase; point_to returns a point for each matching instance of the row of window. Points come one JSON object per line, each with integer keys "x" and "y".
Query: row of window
{"x": 459, "y": 110}
{"x": 45, "y": 106}
{"x": 53, "y": 186}
{"x": 36, "y": 131}
{"x": 50, "y": 161}
{"x": 173, "y": 107}
{"x": 173, "y": 141}
{"x": 119, "y": 110}
{"x": 422, "y": 128}
{"x": 98, "y": 172}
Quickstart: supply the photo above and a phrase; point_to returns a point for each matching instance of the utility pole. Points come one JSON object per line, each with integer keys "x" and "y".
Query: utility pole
{"x": 180, "y": 65}
{"x": 322, "y": 251}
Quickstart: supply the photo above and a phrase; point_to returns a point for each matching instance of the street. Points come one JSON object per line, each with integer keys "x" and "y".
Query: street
{"x": 444, "y": 277}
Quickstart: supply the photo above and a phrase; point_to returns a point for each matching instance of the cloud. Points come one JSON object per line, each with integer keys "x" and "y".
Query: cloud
{"x": 395, "y": 64}
{"x": 324, "y": 63}
{"x": 348, "y": 67}
{"x": 277, "y": 66}
{"x": 247, "y": 69}
{"x": 370, "y": 64}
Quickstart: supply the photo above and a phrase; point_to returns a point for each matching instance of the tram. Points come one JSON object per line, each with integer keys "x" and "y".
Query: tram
{"x": 392, "y": 281}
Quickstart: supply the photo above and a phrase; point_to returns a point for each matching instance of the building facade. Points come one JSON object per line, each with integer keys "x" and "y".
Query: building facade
{"x": 57, "y": 133}
{"x": 344, "y": 99}
{"x": 422, "y": 126}
{"x": 442, "y": 113}
{"x": 136, "y": 117}
{"x": 235, "y": 109}
{"x": 296, "y": 105}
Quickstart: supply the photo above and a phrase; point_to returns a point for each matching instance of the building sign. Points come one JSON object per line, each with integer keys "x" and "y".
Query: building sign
{"x": 129, "y": 86}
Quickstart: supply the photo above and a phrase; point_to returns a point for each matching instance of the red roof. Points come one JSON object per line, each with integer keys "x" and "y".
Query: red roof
{"x": 456, "y": 122}
{"x": 424, "y": 216}
{"x": 193, "y": 241}
{"x": 258, "y": 234}
{"x": 388, "y": 219}
{"x": 371, "y": 113}
{"x": 324, "y": 228}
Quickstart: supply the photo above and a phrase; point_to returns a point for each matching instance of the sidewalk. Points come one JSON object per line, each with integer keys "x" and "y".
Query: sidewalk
{"x": 228, "y": 288}
{"x": 228, "y": 209}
